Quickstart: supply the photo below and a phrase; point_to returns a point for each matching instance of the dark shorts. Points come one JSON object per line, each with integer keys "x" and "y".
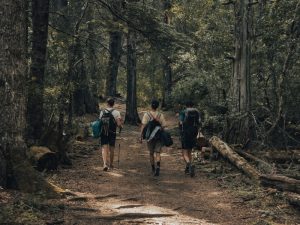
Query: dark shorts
{"x": 189, "y": 138}
{"x": 108, "y": 140}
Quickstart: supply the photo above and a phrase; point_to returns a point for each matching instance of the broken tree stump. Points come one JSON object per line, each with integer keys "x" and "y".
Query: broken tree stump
{"x": 42, "y": 158}
{"x": 234, "y": 158}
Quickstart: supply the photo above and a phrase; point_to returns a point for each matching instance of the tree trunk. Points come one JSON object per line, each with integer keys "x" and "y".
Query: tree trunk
{"x": 234, "y": 158}
{"x": 167, "y": 69}
{"x": 92, "y": 59}
{"x": 240, "y": 89}
{"x": 35, "y": 113}
{"x": 15, "y": 170}
{"x": 82, "y": 99}
{"x": 281, "y": 183}
{"x": 266, "y": 167}
{"x": 115, "y": 48}
{"x": 241, "y": 82}
{"x": 131, "y": 116}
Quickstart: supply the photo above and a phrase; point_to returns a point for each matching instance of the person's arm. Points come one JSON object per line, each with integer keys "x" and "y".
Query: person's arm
{"x": 141, "y": 131}
{"x": 163, "y": 121}
{"x": 119, "y": 120}
{"x": 144, "y": 122}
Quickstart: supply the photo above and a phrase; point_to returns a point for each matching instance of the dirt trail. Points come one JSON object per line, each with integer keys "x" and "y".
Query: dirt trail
{"x": 131, "y": 195}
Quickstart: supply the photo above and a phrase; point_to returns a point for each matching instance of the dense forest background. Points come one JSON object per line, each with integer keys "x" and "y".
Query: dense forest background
{"x": 237, "y": 60}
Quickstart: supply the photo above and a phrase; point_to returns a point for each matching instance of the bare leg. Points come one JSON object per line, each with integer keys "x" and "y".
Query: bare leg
{"x": 152, "y": 158}
{"x": 105, "y": 153}
{"x": 190, "y": 155}
{"x": 111, "y": 155}
{"x": 186, "y": 155}
{"x": 157, "y": 157}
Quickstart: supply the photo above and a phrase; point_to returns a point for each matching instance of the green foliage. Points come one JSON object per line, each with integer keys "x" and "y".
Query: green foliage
{"x": 189, "y": 89}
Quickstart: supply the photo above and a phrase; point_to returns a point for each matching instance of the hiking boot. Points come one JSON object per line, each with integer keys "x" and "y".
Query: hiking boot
{"x": 192, "y": 170}
{"x": 105, "y": 168}
{"x": 156, "y": 174}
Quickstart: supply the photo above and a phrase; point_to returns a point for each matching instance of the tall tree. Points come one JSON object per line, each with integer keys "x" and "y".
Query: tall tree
{"x": 167, "y": 69}
{"x": 241, "y": 74}
{"x": 13, "y": 69}
{"x": 15, "y": 171}
{"x": 132, "y": 116}
{"x": 81, "y": 100}
{"x": 240, "y": 128}
{"x": 115, "y": 47}
{"x": 115, "y": 51}
{"x": 35, "y": 109}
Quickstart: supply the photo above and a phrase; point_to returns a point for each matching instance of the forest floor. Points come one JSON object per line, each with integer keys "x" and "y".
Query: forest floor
{"x": 130, "y": 194}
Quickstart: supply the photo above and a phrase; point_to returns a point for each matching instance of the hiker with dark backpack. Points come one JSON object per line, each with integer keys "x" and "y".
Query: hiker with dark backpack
{"x": 152, "y": 124}
{"x": 189, "y": 123}
{"x": 110, "y": 119}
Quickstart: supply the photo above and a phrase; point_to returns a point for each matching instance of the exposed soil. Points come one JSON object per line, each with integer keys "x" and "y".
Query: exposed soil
{"x": 130, "y": 194}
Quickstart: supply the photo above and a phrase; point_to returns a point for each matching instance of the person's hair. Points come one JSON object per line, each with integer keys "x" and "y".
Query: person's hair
{"x": 154, "y": 104}
{"x": 110, "y": 102}
{"x": 189, "y": 104}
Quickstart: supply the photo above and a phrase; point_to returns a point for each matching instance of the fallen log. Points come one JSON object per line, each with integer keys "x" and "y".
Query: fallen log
{"x": 234, "y": 158}
{"x": 284, "y": 156}
{"x": 293, "y": 198}
{"x": 266, "y": 167}
{"x": 42, "y": 158}
{"x": 281, "y": 183}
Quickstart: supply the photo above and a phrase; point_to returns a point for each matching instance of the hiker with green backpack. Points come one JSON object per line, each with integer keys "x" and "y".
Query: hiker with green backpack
{"x": 189, "y": 124}
{"x": 109, "y": 119}
{"x": 153, "y": 123}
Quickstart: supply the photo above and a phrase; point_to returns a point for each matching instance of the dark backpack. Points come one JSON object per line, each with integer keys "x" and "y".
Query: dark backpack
{"x": 191, "y": 122}
{"x": 150, "y": 126}
{"x": 166, "y": 138}
{"x": 108, "y": 123}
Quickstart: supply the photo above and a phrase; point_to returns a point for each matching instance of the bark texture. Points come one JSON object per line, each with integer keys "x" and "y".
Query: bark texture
{"x": 113, "y": 65}
{"x": 15, "y": 171}
{"x": 281, "y": 183}
{"x": 234, "y": 158}
{"x": 238, "y": 130}
{"x": 167, "y": 69}
{"x": 35, "y": 113}
{"x": 131, "y": 116}
{"x": 13, "y": 68}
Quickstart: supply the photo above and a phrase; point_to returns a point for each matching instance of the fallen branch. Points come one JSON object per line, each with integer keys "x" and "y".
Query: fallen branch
{"x": 262, "y": 164}
{"x": 281, "y": 183}
{"x": 234, "y": 158}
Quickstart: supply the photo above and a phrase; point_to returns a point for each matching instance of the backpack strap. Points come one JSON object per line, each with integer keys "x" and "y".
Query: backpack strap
{"x": 154, "y": 118}
{"x": 110, "y": 112}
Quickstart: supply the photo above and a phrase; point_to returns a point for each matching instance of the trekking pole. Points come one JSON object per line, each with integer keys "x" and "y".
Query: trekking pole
{"x": 120, "y": 129}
